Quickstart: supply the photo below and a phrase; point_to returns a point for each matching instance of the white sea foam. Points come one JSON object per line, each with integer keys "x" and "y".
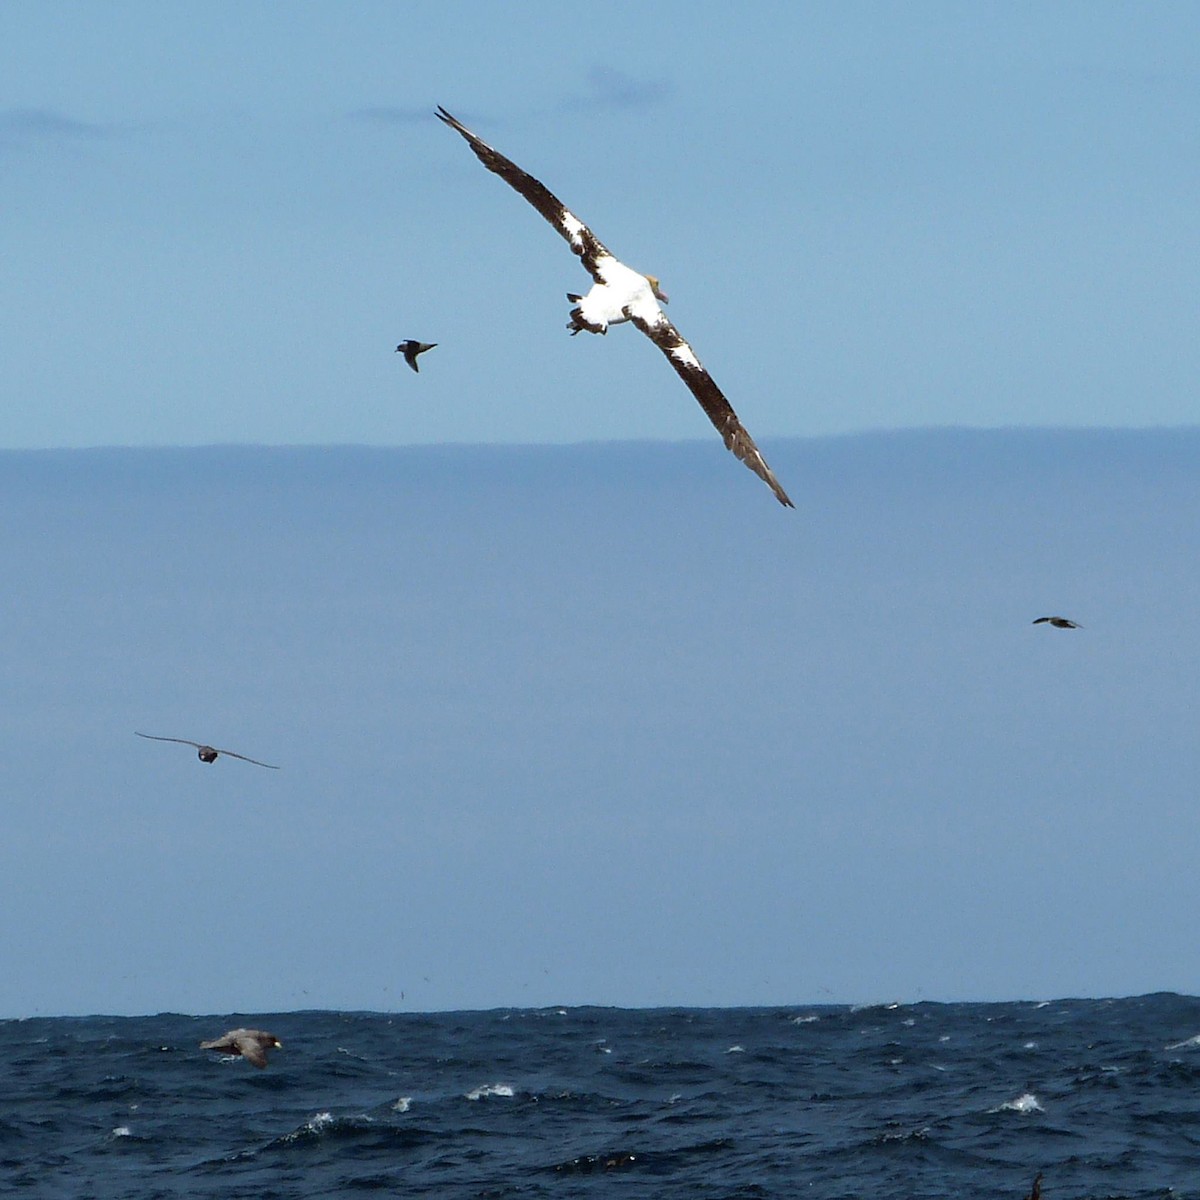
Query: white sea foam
{"x": 807, "y": 1020}
{"x": 315, "y": 1126}
{"x": 1186, "y": 1044}
{"x": 403, "y": 1104}
{"x": 122, "y": 1131}
{"x": 736, "y": 1050}
{"x": 489, "y": 1089}
{"x": 1027, "y": 1102}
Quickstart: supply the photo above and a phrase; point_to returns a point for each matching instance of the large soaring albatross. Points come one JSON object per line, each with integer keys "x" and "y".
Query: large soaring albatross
{"x": 623, "y": 294}
{"x": 206, "y": 754}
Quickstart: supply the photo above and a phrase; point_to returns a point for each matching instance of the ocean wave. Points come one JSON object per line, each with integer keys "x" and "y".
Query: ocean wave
{"x": 484, "y": 1090}
{"x": 818, "y": 1113}
{"x": 1186, "y": 1044}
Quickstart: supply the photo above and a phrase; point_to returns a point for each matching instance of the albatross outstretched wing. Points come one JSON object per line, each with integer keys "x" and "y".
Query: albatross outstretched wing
{"x": 702, "y": 385}
{"x": 579, "y": 237}
{"x": 234, "y": 754}
{"x": 182, "y": 741}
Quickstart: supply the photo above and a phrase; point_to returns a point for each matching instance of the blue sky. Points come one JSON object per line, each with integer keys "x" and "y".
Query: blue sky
{"x": 600, "y": 724}
{"x": 596, "y": 724}
{"x": 220, "y": 218}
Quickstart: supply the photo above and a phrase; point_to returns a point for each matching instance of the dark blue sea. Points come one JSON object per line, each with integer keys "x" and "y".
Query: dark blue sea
{"x": 905, "y": 1101}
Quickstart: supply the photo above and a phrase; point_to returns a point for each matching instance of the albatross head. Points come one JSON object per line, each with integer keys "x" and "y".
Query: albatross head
{"x": 659, "y": 294}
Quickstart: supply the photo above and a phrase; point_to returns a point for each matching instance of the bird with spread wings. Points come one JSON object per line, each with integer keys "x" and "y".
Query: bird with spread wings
{"x": 620, "y": 294}
{"x": 207, "y": 754}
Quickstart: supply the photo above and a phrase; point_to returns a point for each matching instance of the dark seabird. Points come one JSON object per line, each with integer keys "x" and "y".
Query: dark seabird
{"x": 411, "y": 349}
{"x": 1058, "y": 622}
{"x": 1035, "y": 1193}
{"x": 251, "y": 1044}
{"x": 207, "y": 754}
{"x": 622, "y": 294}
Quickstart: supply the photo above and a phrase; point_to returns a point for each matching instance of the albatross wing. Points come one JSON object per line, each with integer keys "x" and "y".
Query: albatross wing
{"x": 579, "y": 237}
{"x": 182, "y": 741}
{"x": 701, "y": 384}
{"x": 233, "y": 754}
{"x": 252, "y": 1051}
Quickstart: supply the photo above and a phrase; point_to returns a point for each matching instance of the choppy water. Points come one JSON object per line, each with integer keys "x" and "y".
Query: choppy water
{"x": 912, "y": 1101}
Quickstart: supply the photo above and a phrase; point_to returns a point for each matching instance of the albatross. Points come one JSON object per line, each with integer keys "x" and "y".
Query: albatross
{"x": 251, "y": 1044}
{"x": 621, "y": 294}
{"x": 1058, "y": 622}
{"x": 207, "y": 754}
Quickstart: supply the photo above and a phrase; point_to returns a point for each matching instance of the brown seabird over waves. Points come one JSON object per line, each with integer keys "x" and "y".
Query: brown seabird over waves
{"x": 410, "y": 349}
{"x": 620, "y": 294}
{"x": 251, "y": 1044}
{"x": 207, "y": 754}
{"x": 1058, "y": 622}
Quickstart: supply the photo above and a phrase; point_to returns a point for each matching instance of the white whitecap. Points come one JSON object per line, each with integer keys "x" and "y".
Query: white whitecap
{"x": 403, "y": 1104}
{"x": 1027, "y": 1102}
{"x": 122, "y": 1131}
{"x": 736, "y": 1050}
{"x": 1186, "y": 1044}
{"x": 804, "y": 1020}
{"x": 489, "y": 1089}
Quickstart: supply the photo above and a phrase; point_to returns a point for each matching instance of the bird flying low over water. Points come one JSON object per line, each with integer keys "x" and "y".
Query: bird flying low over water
{"x": 251, "y": 1044}
{"x": 410, "y": 349}
{"x": 1058, "y": 622}
{"x": 622, "y": 294}
{"x": 207, "y": 754}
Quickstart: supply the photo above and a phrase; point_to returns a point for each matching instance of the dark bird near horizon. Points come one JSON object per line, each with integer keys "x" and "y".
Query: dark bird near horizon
{"x": 621, "y": 294}
{"x": 207, "y": 754}
{"x": 251, "y": 1044}
{"x": 1058, "y": 622}
{"x": 410, "y": 349}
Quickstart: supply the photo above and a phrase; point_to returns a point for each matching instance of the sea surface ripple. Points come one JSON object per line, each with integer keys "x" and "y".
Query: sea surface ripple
{"x": 908, "y": 1101}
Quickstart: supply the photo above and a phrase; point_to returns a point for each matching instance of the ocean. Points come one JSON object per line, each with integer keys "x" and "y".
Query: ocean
{"x": 904, "y": 1101}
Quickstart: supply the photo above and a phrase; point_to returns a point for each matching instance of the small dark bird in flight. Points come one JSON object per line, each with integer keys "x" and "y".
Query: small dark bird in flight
{"x": 207, "y": 754}
{"x": 251, "y": 1044}
{"x": 411, "y": 349}
{"x": 620, "y": 294}
{"x": 1058, "y": 622}
{"x": 1035, "y": 1193}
